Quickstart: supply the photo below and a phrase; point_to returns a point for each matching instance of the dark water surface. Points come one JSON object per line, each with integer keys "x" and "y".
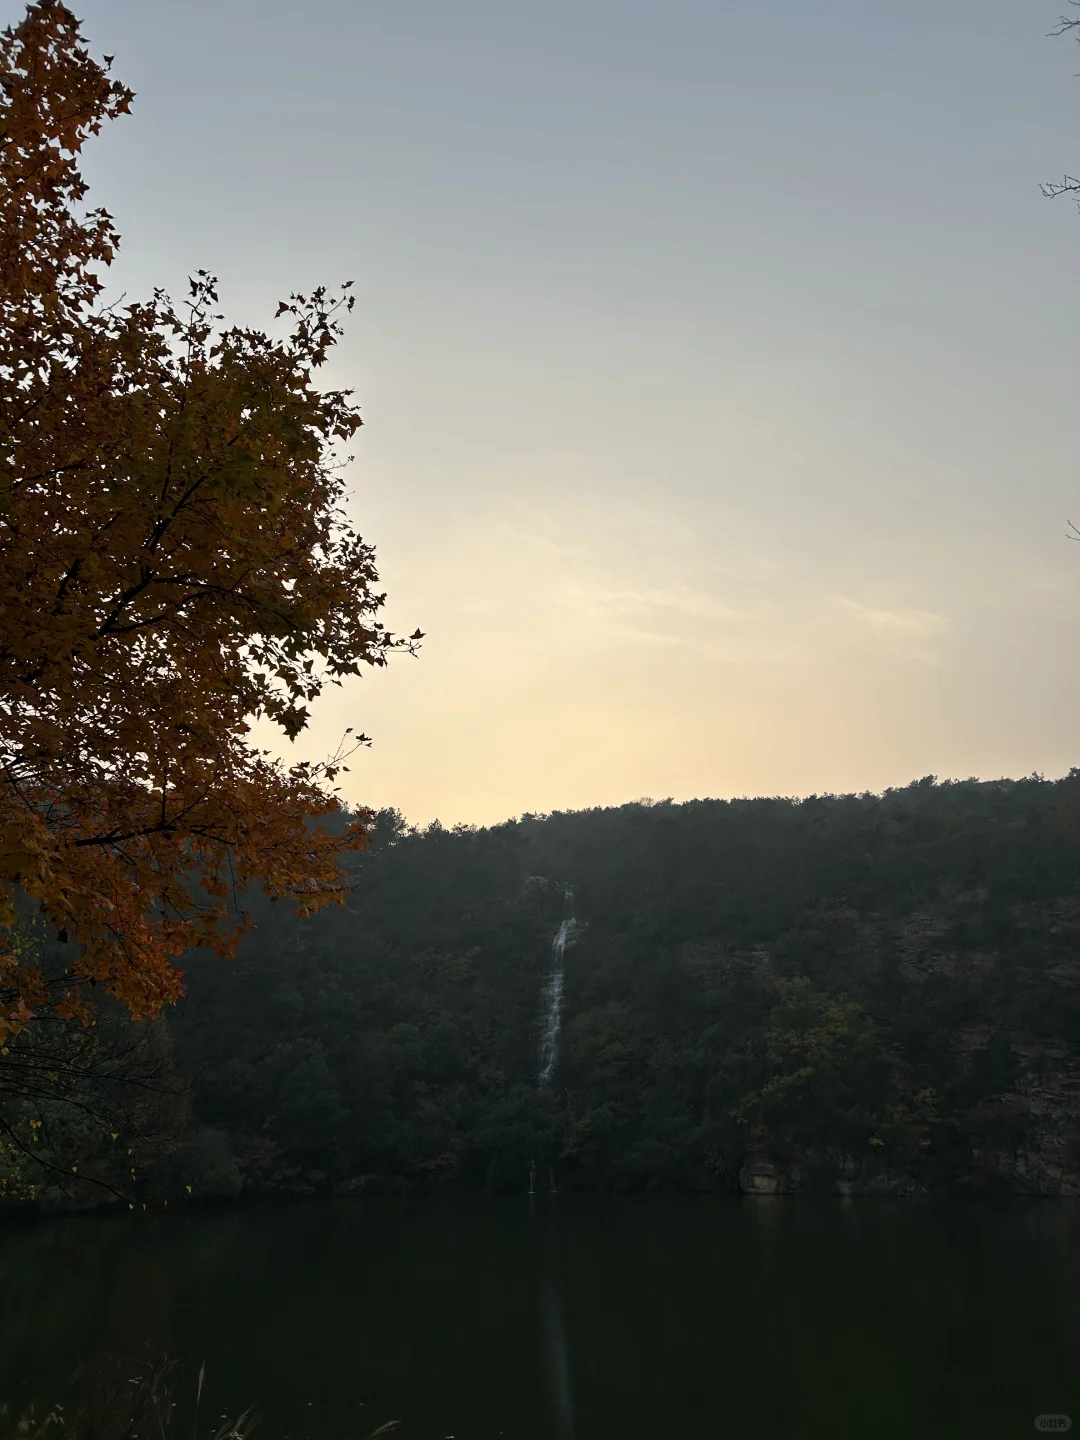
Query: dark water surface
{"x": 558, "y": 1316}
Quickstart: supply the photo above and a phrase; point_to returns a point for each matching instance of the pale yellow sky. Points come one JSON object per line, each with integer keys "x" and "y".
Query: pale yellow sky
{"x": 718, "y": 364}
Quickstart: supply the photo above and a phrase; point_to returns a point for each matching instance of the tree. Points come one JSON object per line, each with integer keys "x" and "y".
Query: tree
{"x": 1069, "y": 185}
{"x": 174, "y": 563}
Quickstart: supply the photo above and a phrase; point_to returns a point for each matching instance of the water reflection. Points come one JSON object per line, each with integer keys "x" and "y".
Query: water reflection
{"x": 598, "y": 1320}
{"x": 544, "y": 1224}
{"x": 558, "y": 1359}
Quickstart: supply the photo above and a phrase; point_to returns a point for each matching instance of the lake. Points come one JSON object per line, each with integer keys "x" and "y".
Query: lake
{"x": 558, "y": 1316}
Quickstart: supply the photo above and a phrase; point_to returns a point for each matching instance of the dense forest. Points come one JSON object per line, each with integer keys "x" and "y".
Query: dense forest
{"x": 853, "y": 994}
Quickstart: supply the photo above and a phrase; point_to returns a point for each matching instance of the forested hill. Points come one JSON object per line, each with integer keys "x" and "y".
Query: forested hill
{"x": 847, "y": 992}
{"x": 853, "y": 994}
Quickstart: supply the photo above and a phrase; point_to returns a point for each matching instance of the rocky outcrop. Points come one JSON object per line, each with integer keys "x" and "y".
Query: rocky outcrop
{"x": 765, "y": 1177}
{"x": 1007, "y": 1102}
{"x": 826, "y": 1175}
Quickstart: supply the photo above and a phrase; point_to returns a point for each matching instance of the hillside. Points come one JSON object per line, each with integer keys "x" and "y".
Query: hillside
{"x": 847, "y": 993}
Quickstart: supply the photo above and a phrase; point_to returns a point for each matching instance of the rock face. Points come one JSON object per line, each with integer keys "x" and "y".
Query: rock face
{"x": 1042, "y": 1116}
{"x": 764, "y": 1177}
{"x": 1039, "y": 1125}
{"x": 825, "y": 1175}
{"x": 974, "y": 1004}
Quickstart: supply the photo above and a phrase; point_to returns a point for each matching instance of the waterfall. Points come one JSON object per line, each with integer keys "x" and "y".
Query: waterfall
{"x": 553, "y": 994}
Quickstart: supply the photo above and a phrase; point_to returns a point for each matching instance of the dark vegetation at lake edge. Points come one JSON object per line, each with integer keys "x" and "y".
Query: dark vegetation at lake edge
{"x": 132, "y": 1399}
{"x": 853, "y": 994}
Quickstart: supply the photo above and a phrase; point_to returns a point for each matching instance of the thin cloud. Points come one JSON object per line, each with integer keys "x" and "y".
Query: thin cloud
{"x": 617, "y": 602}
{"x": 922, "y": 624}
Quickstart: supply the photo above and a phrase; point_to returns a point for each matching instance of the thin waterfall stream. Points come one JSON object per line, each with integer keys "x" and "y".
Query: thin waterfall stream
{"x": 553, "y": 994}
{"x": 551, "y": 1036}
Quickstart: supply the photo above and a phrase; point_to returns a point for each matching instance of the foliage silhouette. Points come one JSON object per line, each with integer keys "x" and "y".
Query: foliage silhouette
{"x": 174, "y": 563}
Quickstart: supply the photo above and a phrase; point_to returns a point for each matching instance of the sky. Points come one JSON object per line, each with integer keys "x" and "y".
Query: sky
{"x": 718, "y": 364}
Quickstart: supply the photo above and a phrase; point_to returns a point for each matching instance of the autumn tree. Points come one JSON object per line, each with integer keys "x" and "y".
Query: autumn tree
{"x": 175, "y": 563}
